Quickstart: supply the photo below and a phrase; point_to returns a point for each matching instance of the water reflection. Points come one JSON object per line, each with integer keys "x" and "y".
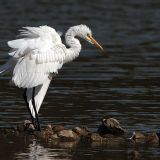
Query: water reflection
{"x": 36, "y": 151}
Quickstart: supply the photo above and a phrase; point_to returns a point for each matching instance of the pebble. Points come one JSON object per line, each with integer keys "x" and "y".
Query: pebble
{"x": 47, "y": 134}
{"x": 28, "y": 124}
{"x": 95, "y": 137}
{"x": 81, "y": 131}
{"x": 152, "y": 138}
{"x": 68, "y": 135}
{"x": 58, "y": 128}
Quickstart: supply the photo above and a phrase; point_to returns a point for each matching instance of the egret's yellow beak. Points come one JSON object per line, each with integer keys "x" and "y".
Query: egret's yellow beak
{"x": 93, "y": 41}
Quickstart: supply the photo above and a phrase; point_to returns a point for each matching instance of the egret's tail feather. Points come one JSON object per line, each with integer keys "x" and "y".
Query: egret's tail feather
{"x": 7, "y": 67}
{"x": 40, "y": 92}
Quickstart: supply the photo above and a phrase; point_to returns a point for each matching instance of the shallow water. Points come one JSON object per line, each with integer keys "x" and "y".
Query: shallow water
{"x": 124, "y": 84}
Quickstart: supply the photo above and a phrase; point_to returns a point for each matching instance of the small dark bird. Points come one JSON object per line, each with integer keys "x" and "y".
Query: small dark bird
{"x": 110, "y": 126}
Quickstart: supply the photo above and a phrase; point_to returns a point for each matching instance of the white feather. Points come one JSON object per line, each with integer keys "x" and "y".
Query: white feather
{"x": 40, "y": 92}
{"x": 37, "y": 41}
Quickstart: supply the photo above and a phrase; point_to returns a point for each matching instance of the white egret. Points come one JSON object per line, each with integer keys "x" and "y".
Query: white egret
{"x": 37, "y": 55}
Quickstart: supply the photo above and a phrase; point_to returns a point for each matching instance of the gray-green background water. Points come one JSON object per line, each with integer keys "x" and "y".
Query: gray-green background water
{"x": 124, "y": 85}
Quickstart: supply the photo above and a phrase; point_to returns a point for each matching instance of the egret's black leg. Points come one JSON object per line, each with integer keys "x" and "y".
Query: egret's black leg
{"x": 35, "y": 111}
{"x": 25, "y": 99}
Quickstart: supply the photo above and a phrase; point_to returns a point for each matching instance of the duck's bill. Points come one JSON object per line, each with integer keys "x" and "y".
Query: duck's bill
{"x": 93, "y": 41}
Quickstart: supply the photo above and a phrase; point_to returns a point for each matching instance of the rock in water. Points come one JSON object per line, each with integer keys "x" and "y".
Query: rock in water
{"x": 28, "y": 125}
{"x": 57, "y": 128}
{"x": 25, "y": 126}
{"x": 81, "y": 131}
{"x": 152, "y": 138}
{"x": 97, "y": 138}
{"x": 93, "y": 137}
{"x": 47, "y": 134}
{"x": 138, "y": 136}
{"x": 110, "y": 126}
{"x": 68, "y": 135}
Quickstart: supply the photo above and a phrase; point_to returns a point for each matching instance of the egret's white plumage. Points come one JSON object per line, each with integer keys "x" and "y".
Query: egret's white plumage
{"x": 40, "y": 92}
{"x": 40, "y": 52}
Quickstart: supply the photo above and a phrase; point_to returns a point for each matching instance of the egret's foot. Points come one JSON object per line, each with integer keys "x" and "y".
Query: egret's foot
{"x": 36, "y": 125}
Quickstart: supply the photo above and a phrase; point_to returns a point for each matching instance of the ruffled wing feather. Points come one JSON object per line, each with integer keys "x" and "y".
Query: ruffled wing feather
{"x": 28, "y": 72}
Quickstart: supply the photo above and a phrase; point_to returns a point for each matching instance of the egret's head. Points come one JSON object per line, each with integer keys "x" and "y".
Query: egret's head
{"x": 86, "y": 33}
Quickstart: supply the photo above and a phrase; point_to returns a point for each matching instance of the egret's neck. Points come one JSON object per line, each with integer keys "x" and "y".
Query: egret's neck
{"x": 72, "y": 42}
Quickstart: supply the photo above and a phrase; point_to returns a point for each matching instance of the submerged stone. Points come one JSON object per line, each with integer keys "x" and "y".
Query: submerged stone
{"x": 58, "y": 128}
{"x": 93, "y": 137}
{"x": 49, "y": 127}
{"x": 152, "y": 138}
{"x": 96, "y": 138}
{"x": 68, "y": 135}
{"x": 26, "y": 126}
{"x": 46, "y": 134}
{"x": 81, "y": 131}
{"x": 48, "y": 130}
